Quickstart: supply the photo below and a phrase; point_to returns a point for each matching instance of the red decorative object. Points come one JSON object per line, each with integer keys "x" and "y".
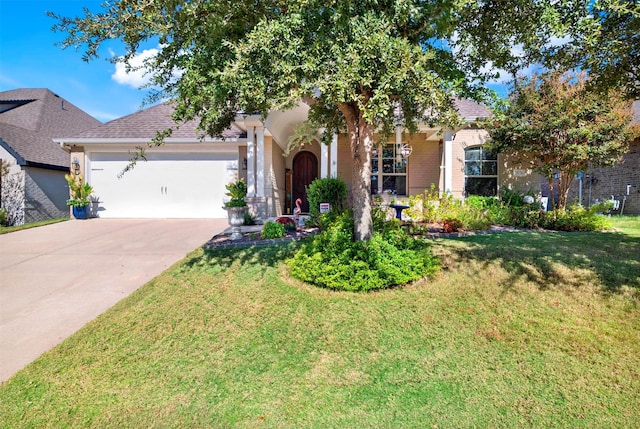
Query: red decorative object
{"x": 287, "y": 222}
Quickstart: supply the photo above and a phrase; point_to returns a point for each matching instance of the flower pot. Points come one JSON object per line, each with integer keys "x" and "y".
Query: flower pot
{"x": 81, "y": 212}
{"x": 236, "y": 220}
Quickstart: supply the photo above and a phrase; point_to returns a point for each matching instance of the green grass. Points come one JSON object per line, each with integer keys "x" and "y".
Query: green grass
{"x": 517, "y": 330}
{"x": 8, "y": 229}
{"x": 629, "y": 224}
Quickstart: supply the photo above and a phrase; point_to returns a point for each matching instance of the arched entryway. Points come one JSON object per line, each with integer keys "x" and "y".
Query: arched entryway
{"x": 305, "y": 171}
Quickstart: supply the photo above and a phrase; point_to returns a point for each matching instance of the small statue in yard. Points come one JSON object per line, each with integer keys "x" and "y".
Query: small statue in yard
{"x": 297, "y": 211}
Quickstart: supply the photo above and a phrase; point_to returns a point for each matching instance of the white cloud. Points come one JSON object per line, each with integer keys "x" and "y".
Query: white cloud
{"x": 138, "y": 76}
{"x": 103, "y": 116}
{"x": 7, "y": 82}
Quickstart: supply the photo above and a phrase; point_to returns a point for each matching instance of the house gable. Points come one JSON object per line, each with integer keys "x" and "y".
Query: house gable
{"x": 31, "y": 118}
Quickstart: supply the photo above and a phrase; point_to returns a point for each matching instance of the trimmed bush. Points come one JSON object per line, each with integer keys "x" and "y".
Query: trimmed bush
{"x": 328, "y": 190}
{"x": 272, "y": 230}
{"x": 288, "y": 223}
{"x": 333, "y": 260}
{"x": 575, "y": 218}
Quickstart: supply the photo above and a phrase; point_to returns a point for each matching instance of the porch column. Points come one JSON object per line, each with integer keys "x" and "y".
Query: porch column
{"x": 260, "y": 161}
{"x": 448, "y": 161}
{"x": 251, "y": 169}
{"x": 324, "y": 161}
{"x": 334, "y": 156}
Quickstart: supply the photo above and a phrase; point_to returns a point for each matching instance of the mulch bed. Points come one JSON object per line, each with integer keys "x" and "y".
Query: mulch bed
{"x": 253, "y": 239}
{"x": 433, "y": 231}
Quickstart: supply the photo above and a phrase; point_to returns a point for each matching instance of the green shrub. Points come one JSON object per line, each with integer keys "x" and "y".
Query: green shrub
{"x": 575, "y": 218}
{"x": 249, "y": 219}
{"x": 236, "y": 191}
{"x": 512, "y": 198}
{"x": 328, "y": 190}
{"x": 523, "y": 216}
{"x": 424, "y": 206}
{"x": 379, "y": 213}
{"x": 79, "y": 191}
{"x": 4, "y": 217}
{"x": 333, "y": 260}
{"x": 273, "y": 230}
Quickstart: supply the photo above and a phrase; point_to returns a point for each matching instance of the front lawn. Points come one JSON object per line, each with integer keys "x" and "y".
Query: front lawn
{"x": 516, "y": 330}
{"x": 8, "y": 229}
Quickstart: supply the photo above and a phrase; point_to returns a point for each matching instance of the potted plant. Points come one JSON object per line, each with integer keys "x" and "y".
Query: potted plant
{"x": 79, "y": 192}
{"x": 236, "y": 207}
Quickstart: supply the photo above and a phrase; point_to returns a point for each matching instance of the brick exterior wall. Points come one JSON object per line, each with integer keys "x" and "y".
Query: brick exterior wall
{"x": 599, "y": 184}
{"x": 604, "y": 182}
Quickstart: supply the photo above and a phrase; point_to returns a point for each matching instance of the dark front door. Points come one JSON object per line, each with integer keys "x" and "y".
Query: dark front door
{"x": 305, "y": 171}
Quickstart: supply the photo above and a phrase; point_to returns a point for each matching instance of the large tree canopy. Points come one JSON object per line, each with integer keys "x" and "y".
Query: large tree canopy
{"x": 605, "y": 42}
{"x": 357, "y": 62}
{"x": 556, "y": 122}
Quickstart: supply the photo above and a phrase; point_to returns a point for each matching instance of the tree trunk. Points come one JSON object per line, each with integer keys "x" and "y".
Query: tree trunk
{"x": 566, "y": 179}
{"x": 361, "y": 142}
{"x": 552, "y": 198}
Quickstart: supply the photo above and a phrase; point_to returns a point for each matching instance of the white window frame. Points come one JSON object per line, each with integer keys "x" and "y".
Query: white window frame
{"x": 482, "y": 161}
{"x": 379, "y": 172}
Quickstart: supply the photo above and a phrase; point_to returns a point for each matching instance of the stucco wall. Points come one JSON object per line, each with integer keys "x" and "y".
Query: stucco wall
{"x": 423, "y": 166}
{"x": 274, "y": 177}
{"x": 242, "y": 155}
{"x": 345, "y": 163}
{"x": 517, "y": 175}
{"x": 464, "y": 139}
{"x": 313, "y": 147}
{"x": 46, "y": 194}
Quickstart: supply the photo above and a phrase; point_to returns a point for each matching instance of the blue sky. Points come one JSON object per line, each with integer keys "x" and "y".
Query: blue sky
{"x": 30, "y": 59}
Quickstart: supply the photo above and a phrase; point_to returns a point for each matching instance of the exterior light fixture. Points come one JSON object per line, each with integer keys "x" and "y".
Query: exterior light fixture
{"x": 244, "y": 163}
{"x": 405, "y": 150}
{"x": 75, "y": 166}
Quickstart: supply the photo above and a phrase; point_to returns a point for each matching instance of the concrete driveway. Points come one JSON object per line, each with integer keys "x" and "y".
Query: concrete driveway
{"x": 54, "y": 279}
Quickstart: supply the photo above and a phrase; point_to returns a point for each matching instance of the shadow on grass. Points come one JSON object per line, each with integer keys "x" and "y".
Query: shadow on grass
{"x": 265, "y": 255}
{"x": 559, "y": 259}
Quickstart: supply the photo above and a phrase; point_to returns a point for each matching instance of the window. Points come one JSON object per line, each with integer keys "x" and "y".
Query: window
{"x": 388, "y": 170}
{"x": 481, "y": 172}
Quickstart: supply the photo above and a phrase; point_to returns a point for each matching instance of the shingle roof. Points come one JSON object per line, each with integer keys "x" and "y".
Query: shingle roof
{"x": 31, "y": 118}
{"x": 469, "y": 109}
{"x": 145, "y": 123}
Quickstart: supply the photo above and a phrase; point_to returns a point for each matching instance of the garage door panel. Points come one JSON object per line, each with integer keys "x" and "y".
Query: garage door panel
{"x": 164, "y": 186}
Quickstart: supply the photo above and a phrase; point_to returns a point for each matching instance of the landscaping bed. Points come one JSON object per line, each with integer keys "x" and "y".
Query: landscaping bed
{"x": 254, "y": 239}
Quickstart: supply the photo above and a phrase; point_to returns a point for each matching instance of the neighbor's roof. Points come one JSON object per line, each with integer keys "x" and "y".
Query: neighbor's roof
{"x": 145, "y": 123}
{"x": 31, "y": 118}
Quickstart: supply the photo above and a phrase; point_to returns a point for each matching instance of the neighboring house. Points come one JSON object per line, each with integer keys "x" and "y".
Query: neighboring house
{"x": 187, "y": 176}
{"x": 620, "y": 183}
{"x": 34, "y": 188}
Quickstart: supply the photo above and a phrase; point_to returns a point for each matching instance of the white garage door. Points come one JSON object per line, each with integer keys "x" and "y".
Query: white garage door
{"x": 167, "y": 185}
